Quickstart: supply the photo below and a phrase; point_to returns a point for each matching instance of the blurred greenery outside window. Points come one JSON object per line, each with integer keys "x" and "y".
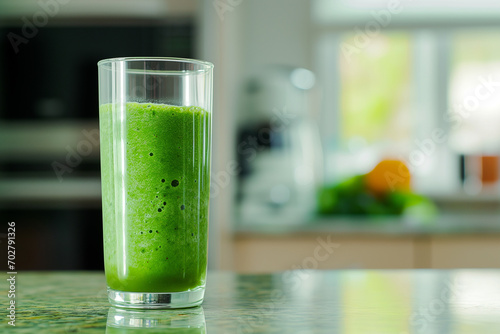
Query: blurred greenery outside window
{"x": 375, "y": 87}
{"x": 390, "y": 95}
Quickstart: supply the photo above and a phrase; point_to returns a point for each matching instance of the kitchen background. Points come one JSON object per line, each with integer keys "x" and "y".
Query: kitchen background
{"x": 310, "y": 96}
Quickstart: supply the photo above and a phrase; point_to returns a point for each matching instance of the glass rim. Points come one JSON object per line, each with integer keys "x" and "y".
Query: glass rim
{"x": 204, "y": 65}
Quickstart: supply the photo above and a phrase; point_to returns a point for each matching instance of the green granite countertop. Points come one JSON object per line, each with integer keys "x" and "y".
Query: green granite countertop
{"x": 341, "y": 301}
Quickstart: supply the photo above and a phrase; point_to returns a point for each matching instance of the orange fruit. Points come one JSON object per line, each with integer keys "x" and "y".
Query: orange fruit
{"x": 388, "y": 176}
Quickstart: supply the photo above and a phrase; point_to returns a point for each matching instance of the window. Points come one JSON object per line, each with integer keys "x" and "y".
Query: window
{"x": 390, "y": 96}
{"x": 475, "y": 59}
{"x": 375, "y": 90}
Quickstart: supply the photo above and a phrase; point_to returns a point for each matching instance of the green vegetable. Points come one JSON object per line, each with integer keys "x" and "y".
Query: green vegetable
{"x": 352, "y": 197}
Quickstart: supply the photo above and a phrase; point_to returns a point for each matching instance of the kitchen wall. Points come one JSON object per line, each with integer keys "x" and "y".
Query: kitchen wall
{"x": 246, "y": 40}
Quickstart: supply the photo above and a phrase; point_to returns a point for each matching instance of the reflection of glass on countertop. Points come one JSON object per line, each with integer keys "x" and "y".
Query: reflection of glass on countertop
{"x": 185, "y": 321}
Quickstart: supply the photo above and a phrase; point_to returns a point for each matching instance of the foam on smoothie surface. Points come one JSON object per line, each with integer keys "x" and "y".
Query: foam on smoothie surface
{"x": 166, "y": 169}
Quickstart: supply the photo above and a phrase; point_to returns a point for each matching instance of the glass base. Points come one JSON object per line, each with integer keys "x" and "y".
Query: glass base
{"x": 156, "y": 300}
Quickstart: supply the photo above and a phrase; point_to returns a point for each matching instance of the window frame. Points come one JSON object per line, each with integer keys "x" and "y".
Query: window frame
{"x": 430, "y": 81}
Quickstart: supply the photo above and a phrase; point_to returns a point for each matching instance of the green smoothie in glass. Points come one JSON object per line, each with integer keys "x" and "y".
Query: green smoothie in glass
{"x": 160, "y": 242}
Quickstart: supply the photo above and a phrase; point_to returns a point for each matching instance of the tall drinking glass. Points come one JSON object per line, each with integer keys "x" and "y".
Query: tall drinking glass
{"x": 155, "y": 118}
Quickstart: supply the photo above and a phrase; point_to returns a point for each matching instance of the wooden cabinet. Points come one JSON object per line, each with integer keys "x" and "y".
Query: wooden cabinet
{"x": 474, "y": 251}
{"x": 257, "y": 253}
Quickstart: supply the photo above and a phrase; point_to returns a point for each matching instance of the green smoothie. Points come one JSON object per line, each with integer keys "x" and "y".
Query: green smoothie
{"x": 155, "y": 188}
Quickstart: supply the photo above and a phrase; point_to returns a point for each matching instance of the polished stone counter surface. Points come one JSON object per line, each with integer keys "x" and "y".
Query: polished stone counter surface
{"x": 338, "y": 301}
